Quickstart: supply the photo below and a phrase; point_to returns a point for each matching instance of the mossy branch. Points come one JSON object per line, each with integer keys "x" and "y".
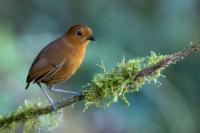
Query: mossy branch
{"x": 105, "y": 88}
{"x": 168, "y": 60}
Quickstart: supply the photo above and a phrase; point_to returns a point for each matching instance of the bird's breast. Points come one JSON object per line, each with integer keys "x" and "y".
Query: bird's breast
{"x": 72, "y": 63}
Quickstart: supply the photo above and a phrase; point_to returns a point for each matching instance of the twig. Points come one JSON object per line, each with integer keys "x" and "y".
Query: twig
{"x": 167, "y": 61}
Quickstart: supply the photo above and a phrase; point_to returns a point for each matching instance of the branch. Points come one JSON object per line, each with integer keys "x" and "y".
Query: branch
{"x": 37, "y": 111}
{"x": 96, "y": 92}
{"x": 167, "y": 61}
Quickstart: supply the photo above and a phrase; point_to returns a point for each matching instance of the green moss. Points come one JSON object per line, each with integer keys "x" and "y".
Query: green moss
{"x": 51, "y": 120}
{"x": 31, "y": 125}
{"x": 110, "y": 86}
{"x": 152, "y": 60}
{"x": 30, "y": 121}
{"x": 8, "y": 128}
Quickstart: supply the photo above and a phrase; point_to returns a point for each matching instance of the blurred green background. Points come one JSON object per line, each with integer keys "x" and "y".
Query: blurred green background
{"x": 130, "y": 28}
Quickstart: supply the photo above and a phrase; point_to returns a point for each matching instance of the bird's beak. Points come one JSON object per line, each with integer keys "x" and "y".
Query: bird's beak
{"x": 91, "y": 38}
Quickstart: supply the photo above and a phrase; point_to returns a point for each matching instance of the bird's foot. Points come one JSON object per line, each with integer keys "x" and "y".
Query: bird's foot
{"x": 54, "y": 106}
{"x": 77, "y": 93}
{"x": 64, "y": 91}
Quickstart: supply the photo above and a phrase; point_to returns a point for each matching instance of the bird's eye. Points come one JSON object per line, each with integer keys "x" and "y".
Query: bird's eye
{"x": 79, "y": 33}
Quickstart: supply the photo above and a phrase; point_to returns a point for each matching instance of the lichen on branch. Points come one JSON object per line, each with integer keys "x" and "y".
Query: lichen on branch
{"x": 109, "y": 86}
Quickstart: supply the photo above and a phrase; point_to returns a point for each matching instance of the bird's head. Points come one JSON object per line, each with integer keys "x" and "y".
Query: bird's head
{"x": 80, "y": 34}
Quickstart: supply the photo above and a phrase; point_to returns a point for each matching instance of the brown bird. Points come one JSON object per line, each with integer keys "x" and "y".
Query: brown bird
{"x": 60, "y": 59}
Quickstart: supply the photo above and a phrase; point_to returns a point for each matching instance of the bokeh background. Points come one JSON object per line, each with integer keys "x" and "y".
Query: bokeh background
{"x": 130, "y": 28}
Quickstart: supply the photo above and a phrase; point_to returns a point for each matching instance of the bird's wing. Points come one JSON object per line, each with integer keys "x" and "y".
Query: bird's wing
{"x": 46, "y": 64}
{"x": 49, "y": 73}
{"x": 42, "y": 69}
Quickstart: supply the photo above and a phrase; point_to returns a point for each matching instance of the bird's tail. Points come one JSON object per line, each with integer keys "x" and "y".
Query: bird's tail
{"x": 27, "y": 85}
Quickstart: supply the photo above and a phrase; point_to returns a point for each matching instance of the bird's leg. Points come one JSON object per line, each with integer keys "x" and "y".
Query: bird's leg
{"x": 51, "y": 88}
{"x": 49, "y": 98}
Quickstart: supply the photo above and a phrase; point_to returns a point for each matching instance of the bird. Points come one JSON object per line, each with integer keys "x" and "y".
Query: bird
{"x": 59, "y": 60}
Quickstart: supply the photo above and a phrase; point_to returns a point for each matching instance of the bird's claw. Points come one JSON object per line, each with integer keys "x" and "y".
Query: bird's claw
{"x": 74, "y": 93}
{"x": 54, "y": 106}
{"x": 77, "y": 93}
